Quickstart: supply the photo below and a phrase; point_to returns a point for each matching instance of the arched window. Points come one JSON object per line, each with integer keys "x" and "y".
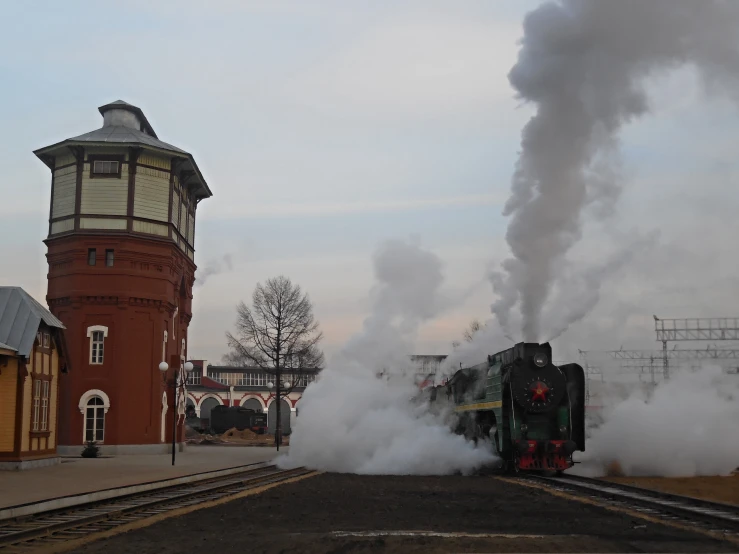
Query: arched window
{"x": 95, "y": 419}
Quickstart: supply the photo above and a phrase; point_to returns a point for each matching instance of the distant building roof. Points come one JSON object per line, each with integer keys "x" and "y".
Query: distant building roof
{"x": 20, "y": 317}
{"x": 254, "y": 369}
{"x": 125, "y": 124}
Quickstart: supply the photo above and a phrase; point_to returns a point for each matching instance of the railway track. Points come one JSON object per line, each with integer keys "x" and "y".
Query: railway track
{"x": 712, "y": 517}
{"x": 44, "y": 529}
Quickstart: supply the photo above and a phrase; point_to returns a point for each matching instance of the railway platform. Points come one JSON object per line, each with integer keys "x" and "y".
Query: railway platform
{"x": 79, "y": 476}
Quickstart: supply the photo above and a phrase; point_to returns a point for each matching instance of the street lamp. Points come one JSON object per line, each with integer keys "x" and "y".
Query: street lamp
{"x": 177, "y": 384}
{"x": 278, "y": 399}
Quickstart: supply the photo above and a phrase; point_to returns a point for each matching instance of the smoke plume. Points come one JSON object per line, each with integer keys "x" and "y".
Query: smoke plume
{"x": 213, "y": 267}
{"x": 584, "y": 66}
{"x": 686, "y": 427}
{"x": 351, "y": 420}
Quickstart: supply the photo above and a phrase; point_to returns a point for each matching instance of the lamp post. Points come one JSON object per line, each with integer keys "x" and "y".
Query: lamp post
{"x": 177, "y": 384}
{"x": 278, "y": 399}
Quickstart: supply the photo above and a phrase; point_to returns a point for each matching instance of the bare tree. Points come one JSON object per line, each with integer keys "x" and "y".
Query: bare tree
{"x": 277, "y": 334}
{"x": 472, "y": 330}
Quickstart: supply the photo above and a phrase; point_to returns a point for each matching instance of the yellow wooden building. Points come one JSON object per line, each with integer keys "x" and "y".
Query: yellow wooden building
{"x": 32, "y": 359}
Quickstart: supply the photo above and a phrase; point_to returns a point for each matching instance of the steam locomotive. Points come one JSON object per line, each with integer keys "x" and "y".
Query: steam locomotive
{"x": 532, "y": 410}
{"x": 223, "y": 418}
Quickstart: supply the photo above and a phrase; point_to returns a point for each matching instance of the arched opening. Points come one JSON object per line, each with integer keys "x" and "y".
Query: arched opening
{"x": 284, "y": 417}
{"x": 252, "y": 404}
{"x": 94, "y": 425}
{"x": 205, "y": 407}
{"x": 191, "y": 409}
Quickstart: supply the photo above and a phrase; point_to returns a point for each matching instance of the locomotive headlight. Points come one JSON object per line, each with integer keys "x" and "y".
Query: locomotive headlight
{"x": 563, "y": 429}
{"x": 540, "y": 359}
{"x": 524, "y": 427}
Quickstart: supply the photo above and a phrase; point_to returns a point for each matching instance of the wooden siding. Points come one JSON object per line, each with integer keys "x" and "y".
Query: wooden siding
{"x": 64, "y": 159}
{"x": 65, "y": 188}
{"x": 175, "y": 208}
{"x": 102, "y": 223}
{"x": 191, "y": 231}
{"x": 156, "y": 161}
{"x": 62, "y": 226}
{"x": 104, "y": 196}
{"x": 151, "y": 198}
{"x": 183, "y": 215}
{"x": 8, "y": 391}
{"x": 150, "y": 228}
{"x": 27, "y": 402}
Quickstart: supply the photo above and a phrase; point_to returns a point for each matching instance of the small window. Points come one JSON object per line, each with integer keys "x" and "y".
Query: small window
{"x": 45, "y": 406}
{"x": 109, "y": 256}
{"x": 91, "y": 256}
{"x": 47, "y": 340}
{"x": 35, "y": 420}
{"x": 96, "y": 347}
{"x": 105, "y": 167}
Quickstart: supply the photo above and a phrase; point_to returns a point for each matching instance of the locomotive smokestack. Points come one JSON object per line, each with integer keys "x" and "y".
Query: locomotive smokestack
{"x": 584, "y": 66}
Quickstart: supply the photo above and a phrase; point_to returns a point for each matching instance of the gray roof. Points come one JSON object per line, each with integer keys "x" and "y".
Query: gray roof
{"x": 121, "y": 105}
{"x": 120, "y": 134}
{"x": 20, "y": 317}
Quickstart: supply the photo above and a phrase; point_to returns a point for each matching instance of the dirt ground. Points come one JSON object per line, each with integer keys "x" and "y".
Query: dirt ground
{"x": 350, "y": 513}
{"x": 718, "y": 489}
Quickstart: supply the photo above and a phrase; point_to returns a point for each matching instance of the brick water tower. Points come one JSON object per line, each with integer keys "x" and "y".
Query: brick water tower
{"x": 121, "y": 272}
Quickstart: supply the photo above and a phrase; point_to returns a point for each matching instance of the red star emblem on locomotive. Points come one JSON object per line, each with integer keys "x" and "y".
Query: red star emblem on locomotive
{"x": 539, "y": 392}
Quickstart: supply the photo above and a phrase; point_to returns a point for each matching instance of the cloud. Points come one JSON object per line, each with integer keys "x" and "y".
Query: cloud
{"x": 423, "y": 67}
{"x": 337, "y": 208}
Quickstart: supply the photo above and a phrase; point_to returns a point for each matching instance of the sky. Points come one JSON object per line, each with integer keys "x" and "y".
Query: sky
{"x": 324, "y": 128}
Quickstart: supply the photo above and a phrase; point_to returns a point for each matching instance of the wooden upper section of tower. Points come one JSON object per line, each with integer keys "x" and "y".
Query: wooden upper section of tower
{"x": 122, "y": 179}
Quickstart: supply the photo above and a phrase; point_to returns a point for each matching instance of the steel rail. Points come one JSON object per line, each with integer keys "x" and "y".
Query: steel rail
{"x": 715, "y": 516}
{"x": 60, "y": 525}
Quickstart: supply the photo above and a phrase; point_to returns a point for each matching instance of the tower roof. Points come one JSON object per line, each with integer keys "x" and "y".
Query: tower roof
{"x": 121, "y": 105}
{"x": 125, "y": 124}
{"x": 20, "y": 317}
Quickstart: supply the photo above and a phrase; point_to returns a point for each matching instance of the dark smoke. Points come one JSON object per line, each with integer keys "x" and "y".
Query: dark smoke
{"x": 584, "y": 65}
{"x": 213, "y": 267}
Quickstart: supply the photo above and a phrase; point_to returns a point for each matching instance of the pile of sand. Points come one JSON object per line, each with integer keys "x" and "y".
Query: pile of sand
{"x": 234, "y": 434}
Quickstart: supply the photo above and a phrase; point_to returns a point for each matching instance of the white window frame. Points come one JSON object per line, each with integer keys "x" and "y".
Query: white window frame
{"x": 90, "y": 334}
{"x": 84, "y": 399}
{"x": 99, "y": 167}
{"x": 45, "y": 396}
{"x": 36, "y": 417}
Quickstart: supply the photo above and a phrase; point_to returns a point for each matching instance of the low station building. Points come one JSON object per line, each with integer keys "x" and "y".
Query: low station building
{"x": 209, "y": 386}
{"x": 32, "y": 360}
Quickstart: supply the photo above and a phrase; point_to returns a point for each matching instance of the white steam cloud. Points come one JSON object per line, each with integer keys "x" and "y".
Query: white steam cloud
{"x": 352, "y": 421}
{"x": 687, "y": 427}
{"x": 584, "y": 65}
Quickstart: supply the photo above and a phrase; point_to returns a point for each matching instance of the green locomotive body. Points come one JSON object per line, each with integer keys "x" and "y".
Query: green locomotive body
{"x": 532, "y": 410}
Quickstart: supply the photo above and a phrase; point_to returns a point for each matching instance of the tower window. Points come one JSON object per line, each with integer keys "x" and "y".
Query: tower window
{"x": 106, "y": 168}
{"x": 97, "y": 334}
{"x": 91, "y": 256}
{"x": 109, "y": 256}
{"x": 96, "y": 347}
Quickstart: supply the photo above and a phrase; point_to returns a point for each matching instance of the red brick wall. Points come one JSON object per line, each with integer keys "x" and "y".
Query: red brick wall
{"x": 135, "y": 299}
